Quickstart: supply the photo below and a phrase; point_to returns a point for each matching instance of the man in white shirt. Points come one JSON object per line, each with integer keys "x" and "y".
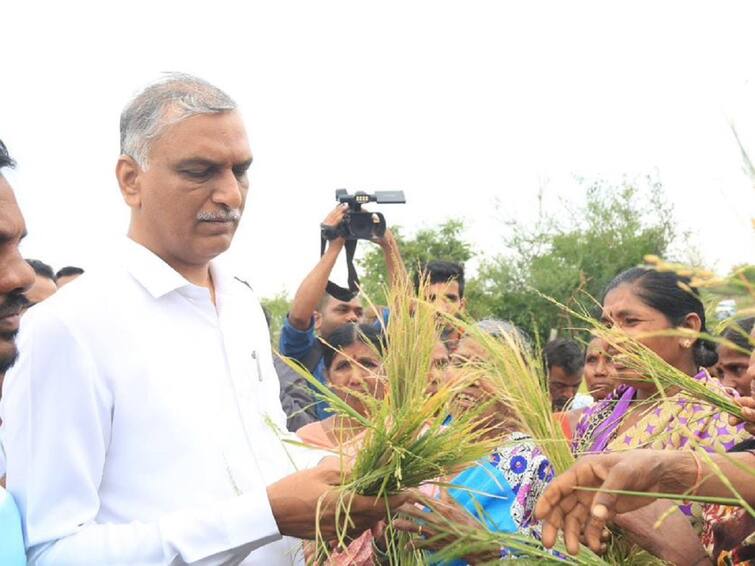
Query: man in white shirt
{"x": 16, "y": 276}
{"x": 140, "y": 416}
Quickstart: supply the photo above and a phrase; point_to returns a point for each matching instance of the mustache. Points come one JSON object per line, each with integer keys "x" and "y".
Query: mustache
{"x": 13, "y": 304}
{"x": 223, "y": 215}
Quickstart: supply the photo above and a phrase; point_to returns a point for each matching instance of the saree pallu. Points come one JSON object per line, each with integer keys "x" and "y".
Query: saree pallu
{"x": 678, "y": 422}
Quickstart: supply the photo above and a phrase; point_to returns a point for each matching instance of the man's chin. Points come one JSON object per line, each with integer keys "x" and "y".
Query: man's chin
{"x": 211, "y": 247}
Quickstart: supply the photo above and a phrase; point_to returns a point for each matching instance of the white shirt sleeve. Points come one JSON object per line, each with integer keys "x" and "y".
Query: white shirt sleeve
{"x": 302, "y": 457}
{"x": 57, "y": 420}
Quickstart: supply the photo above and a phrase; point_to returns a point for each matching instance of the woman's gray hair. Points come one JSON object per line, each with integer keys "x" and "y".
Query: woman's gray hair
{"x": 501, "y": 328}
{"x": 173, "y": 98}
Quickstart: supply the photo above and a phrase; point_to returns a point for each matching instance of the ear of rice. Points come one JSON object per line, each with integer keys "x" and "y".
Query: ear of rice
{"x": 467, "y": 540}
{"x": 406, "y": 441}
{"x": 634, "y": 355}
{"x": 517, "y": 372}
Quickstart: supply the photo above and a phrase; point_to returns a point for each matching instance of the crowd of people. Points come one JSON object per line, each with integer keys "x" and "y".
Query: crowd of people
{"x": 152, "y": 429}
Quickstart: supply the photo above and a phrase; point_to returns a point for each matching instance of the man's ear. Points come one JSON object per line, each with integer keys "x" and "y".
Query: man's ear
{"x": 127, "y": 171}
{"x": 318, "y": 320}
{"x": 463, "y": 304}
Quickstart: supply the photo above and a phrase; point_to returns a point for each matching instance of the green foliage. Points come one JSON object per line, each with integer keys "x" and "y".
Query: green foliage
{"x": 443, "y": 243}
{"x": 739, "y": 286}
{"x": 571, "y": 256}
{"x": 568, "y": 257}
{"x": 277, "y": 308}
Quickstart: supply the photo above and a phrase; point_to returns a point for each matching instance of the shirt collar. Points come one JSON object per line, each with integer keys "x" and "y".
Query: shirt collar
{"x": 151, "y": 271}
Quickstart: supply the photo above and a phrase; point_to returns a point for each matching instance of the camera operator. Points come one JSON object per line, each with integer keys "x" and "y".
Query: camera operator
{"x": 445, "y": 289}
{"x": 316, "y": 313}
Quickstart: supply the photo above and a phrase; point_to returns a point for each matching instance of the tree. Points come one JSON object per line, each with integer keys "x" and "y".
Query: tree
{"x": 276, "y": 308}
{"x": 571, "y": 257}
{"x": 443, "y": 243}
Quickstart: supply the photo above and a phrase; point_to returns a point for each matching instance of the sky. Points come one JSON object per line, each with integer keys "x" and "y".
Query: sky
{"x": 471, "y": 108}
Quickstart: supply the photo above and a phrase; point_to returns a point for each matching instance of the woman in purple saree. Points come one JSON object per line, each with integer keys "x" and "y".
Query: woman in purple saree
{"x": 643, "y": 303}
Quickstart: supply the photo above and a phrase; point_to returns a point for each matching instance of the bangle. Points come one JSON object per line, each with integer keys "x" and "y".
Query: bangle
{"x": 699, "y": 475}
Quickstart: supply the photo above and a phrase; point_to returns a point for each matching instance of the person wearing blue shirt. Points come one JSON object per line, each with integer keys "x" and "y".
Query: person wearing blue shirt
{"x": 314, "y": 313}
{"x": 16, "y": 277}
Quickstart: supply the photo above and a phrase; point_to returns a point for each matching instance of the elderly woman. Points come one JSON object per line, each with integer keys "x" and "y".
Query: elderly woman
{"x": 500, "y": 491}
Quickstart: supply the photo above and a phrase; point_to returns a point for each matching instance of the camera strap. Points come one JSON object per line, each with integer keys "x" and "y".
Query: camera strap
{"x": 336, "y": 291}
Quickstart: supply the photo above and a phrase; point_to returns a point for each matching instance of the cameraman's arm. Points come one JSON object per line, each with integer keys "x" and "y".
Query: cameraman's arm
{"x": 312, "y": 288}
{"x": 394, "y": 264}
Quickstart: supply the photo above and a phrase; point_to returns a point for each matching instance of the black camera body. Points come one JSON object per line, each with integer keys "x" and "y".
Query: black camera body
{"x": 361, "y": 225}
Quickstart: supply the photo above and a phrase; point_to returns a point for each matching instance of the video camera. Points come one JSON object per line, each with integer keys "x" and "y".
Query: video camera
{"x": 358, "y": 224}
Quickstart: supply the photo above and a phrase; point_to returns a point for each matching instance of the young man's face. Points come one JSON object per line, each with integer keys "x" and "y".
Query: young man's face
{"x": 335, "y": 313}
{"x": 563, "y": 386}
{"x": 16, "y": 276}
{"x": 447, "y": 297}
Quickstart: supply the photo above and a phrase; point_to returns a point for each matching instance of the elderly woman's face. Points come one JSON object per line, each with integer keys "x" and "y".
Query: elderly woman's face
{"x": 478, "y": 391}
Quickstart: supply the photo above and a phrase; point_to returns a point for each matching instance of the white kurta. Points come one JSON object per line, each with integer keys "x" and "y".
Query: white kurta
{"x": 138, "y": 422}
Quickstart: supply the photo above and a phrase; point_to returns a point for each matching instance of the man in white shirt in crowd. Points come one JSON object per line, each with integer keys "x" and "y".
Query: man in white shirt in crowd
{"x": 16, "y": 276}
{"x": 139, "y": 417}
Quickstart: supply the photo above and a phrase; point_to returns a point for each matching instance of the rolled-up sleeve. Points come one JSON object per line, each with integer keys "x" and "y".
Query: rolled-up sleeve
{"x": 296, "y": 343}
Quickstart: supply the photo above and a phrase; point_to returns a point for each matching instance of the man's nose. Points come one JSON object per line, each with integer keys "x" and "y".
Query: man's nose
{"x": 16, "y": 277}
{"x": 352, "y": 317}
{"x": 229, "y": 191}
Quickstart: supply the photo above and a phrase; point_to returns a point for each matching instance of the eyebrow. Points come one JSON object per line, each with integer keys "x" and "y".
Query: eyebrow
{"x": 203, "y": 162}
{"x": 196, "y": 162}
{"x": 620, "y": 314}
{"x": 245, "y": 164}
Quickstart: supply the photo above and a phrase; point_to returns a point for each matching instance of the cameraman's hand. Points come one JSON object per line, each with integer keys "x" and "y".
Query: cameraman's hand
{"x": 335, "y": 216}
{"x": 388, "y": 241}
{"x": 294, "y": 502}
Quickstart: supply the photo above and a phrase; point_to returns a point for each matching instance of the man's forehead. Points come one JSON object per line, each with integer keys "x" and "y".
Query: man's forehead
{"x": 450, "y": 286}
{"x": 558, "y": 374}
{"x": 355, "y": 303}
{"x": 218, "y": 138}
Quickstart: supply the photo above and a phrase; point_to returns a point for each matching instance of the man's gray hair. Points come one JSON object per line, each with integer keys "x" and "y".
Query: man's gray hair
{"x": 173, "y": 98}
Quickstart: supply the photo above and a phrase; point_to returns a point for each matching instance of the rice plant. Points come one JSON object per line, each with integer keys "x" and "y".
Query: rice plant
{"x": 516, "y": 370}
{"x": 407, "y": 440}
